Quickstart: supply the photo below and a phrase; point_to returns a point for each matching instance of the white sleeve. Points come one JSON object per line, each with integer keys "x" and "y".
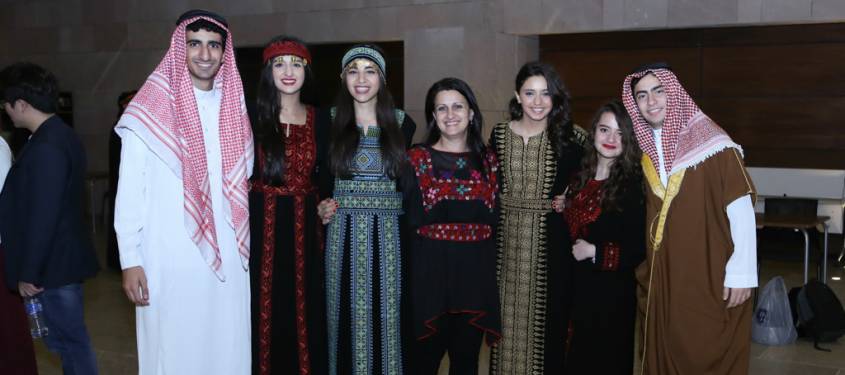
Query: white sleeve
{"x": 131, "y": 201}
{"x": 5, "y": 161}
{"x": 741, "y": 270}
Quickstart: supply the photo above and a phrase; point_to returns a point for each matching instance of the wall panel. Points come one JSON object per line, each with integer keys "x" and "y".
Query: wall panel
{"x": 778, "y": 90}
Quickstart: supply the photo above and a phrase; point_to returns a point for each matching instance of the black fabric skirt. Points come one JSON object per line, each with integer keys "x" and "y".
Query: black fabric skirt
{"x": 449, "y": 277}
{"x": 602, "y": 321}
{"x": 283, "y": 337}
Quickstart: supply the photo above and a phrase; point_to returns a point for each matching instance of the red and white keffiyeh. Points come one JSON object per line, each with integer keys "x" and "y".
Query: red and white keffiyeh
{"x": 688, "y": 136}
{"x": 164, "y": 115}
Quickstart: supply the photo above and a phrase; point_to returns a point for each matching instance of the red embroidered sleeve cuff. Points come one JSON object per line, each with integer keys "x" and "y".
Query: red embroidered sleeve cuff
{"x": 607, "y": 258}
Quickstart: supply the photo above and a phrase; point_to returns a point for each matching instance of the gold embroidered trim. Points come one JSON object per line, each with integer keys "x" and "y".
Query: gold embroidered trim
{"x": 747, "y": 180}
{"x": 667, "y": 195}
{"x": 652, "y": 176}
{"x": 526, "y": 204}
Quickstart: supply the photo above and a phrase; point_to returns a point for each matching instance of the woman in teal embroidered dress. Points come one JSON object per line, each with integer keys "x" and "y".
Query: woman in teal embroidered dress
{"x": 363, "y": 257}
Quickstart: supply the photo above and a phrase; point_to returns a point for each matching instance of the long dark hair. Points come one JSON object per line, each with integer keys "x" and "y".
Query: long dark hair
{"x": 560, "y": 120}
{"x": 268, "y": 136}
{"x": 475, "y": 142}
{"x": 625, "y": 172}
{"x": 345, "y": 137}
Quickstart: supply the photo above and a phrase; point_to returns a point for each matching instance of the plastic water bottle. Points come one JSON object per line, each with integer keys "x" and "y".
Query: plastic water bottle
{"x": 35, "y": 314}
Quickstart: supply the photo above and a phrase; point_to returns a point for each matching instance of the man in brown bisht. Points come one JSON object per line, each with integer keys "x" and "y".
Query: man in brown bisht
{"x": 701, "y": 258}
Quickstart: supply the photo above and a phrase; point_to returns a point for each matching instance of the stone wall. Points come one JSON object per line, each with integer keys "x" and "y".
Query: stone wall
{"x": 99, "y": 48}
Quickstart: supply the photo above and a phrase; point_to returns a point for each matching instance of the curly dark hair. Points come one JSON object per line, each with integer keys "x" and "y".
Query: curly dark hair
{"x": 560, "y": 119}
{"x": 625, "y": 172}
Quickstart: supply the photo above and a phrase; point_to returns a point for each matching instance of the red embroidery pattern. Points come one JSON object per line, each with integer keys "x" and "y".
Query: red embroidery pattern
{"x": 460, "y": 232}
{"x": 265, "y": 302}
{"x": 299, "y": 274}
{"x": 436, "y": 189}
{"x": 300, "y": 158}
{"x": 610, "y": 257}
{"x": 493, "y": 336}
{"x": 583, "y": 208}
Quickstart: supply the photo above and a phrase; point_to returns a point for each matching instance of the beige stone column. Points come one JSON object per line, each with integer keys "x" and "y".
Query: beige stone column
{"x": 486, "y": 59}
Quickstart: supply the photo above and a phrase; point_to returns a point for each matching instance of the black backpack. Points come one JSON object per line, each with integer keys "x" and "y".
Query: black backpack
{"x": 817, "y": 313}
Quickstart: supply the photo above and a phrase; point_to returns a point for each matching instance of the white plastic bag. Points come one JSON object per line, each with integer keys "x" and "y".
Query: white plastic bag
{"x": 772, "y": 321}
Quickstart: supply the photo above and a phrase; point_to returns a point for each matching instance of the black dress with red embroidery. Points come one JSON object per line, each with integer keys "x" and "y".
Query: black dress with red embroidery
{"x": 601, "y": 338}
{"x": 286, "y": 258}
{"x": 451, "y": 216}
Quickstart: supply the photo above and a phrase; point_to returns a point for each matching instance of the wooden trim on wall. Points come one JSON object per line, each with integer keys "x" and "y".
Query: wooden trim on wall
{"x": 777, "y": 90}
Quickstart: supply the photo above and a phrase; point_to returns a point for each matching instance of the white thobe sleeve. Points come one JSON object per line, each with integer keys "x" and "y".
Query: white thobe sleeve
{"x": 131, "y": 200}
{"x": 5, "y": 161}
{"x": 741, "y": 270}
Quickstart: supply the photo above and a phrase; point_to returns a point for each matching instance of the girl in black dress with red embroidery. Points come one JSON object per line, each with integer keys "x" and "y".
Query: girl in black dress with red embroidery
{"x": 286, "y": 262}
{"x": 451, "y": 216}
{"x": 605, "y": 213}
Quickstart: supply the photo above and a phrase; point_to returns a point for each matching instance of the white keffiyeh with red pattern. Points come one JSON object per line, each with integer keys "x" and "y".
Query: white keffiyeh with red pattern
{"x": 165, "y": 117}
{"x": 688, "y": 136}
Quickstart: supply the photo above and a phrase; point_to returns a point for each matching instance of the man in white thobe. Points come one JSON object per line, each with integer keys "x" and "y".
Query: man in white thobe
{"x": 181, "y": 213}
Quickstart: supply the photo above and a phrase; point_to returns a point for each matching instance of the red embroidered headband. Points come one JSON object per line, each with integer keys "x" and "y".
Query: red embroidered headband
{"x": 286, "y": 47}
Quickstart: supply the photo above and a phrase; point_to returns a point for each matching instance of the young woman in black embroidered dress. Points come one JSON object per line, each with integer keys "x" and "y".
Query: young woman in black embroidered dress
{"x": 537, "y": 150}
{"x": 605, "y": 215}
{"x": 286, "y": 263}
{"x": 363, "y": 254}
{"x": 451, "y": 215}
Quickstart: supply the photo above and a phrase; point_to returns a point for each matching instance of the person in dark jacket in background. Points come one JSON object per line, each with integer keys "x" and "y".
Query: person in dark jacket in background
{"x": 48, "y": 251}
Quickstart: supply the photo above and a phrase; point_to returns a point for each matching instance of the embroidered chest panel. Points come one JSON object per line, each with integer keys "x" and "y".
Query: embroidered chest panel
{"x": 528, "y": 170}
{"x": 460, "y": 182}
{"x": 583, "y": 208}
{"x": 457, "y": 181}
{"x": 368, "y": 163}
{"x": 300, "y": 152}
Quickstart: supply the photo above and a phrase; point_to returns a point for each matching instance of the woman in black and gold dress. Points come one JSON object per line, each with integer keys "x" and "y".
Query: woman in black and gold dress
{"x": 537, "y": 151}
{"x": 451, "y": 216}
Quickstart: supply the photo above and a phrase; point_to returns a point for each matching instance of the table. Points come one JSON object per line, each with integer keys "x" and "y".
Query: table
{"x": 801, "y": 223}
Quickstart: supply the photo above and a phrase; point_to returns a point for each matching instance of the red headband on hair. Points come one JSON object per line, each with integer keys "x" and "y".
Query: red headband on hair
{"x": 286, "y": 47}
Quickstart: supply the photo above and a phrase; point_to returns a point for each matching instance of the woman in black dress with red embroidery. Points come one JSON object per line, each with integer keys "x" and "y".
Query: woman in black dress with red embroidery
{"x": 286, "y": 262}
{"x": 606, "y": 217}
{"x": 451, "y": 215}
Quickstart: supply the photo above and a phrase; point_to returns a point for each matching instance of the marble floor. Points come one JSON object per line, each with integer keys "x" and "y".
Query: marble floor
{"x": 111, "y": 322}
